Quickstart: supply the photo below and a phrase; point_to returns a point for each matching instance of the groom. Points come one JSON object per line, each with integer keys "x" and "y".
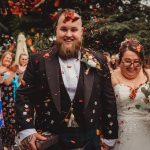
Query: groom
{"x": 67, "y": 89}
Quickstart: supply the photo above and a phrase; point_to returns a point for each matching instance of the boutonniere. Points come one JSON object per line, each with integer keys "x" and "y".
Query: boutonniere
{"x": 90, "y": 61}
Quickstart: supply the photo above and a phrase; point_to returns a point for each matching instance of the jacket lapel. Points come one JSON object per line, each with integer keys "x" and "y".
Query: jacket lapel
{"x": 52, "y": 72}
{"x": 88, "y": 85}
{"x": 88, "y": 81}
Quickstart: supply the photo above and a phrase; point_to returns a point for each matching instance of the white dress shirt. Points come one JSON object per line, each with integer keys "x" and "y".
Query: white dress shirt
{"x": 70, "y": 69}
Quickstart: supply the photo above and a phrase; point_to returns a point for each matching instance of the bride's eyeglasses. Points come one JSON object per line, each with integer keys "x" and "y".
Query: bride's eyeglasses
{"x": 128, "y": 63}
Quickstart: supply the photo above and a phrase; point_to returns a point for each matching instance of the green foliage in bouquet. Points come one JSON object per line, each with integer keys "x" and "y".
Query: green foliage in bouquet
{"x": 145, "y": 104}
{"x": 145, "y": 91}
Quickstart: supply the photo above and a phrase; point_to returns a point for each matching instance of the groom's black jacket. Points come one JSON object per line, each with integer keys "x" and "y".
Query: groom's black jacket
{"x": 43, "y": 91}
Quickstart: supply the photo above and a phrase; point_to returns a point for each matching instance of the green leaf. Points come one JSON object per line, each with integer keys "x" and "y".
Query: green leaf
{"x": 138, "y": 106}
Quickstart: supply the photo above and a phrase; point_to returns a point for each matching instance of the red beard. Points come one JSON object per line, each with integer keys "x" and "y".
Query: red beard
{"x": 66, "y": 53}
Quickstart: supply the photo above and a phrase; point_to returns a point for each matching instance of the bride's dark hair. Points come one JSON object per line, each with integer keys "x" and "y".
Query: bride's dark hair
{"x": 132, "y": 44}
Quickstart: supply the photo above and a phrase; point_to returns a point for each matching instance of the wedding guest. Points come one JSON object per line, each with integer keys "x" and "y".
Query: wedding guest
{"x": 113, "y": 63}
{"x": 23, "y": 61}
{"x": 107, "y": 55}
{"x": 108, "y": 59}
{"x": 8, "y": 84}
{"x": 131, "y": 83}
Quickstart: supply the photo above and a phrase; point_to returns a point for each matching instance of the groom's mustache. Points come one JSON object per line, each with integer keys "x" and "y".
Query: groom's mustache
{"x": 68, "y": 38}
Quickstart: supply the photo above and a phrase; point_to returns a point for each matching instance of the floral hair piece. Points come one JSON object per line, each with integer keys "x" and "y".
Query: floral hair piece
{"x": 138, "y": 47}
{"x": 70, "y": 16}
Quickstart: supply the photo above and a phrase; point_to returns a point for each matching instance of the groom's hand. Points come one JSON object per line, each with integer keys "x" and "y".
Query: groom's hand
{"x": 29, "y": 142}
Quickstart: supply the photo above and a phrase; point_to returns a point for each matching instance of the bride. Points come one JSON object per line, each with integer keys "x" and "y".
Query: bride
{"x": 132, "y": 90}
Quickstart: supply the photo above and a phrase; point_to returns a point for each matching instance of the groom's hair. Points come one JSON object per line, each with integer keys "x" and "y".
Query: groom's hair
{"x": 66, "y": 11}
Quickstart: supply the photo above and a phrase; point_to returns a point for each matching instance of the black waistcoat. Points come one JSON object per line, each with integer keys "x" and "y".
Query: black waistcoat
{"x": 78, "y": 101}
{"x": 54, "y": 121}
{"x": 79, "y": 135}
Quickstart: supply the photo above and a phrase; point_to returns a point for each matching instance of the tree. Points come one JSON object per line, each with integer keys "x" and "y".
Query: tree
{"x": 107, "y": 22}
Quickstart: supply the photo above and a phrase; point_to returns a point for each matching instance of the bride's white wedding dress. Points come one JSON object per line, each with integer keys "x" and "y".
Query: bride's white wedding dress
{"x": 133, "y": 119}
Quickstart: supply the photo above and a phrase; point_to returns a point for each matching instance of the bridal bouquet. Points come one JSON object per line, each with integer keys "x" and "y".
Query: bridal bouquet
{"x": 145, "y": 103}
